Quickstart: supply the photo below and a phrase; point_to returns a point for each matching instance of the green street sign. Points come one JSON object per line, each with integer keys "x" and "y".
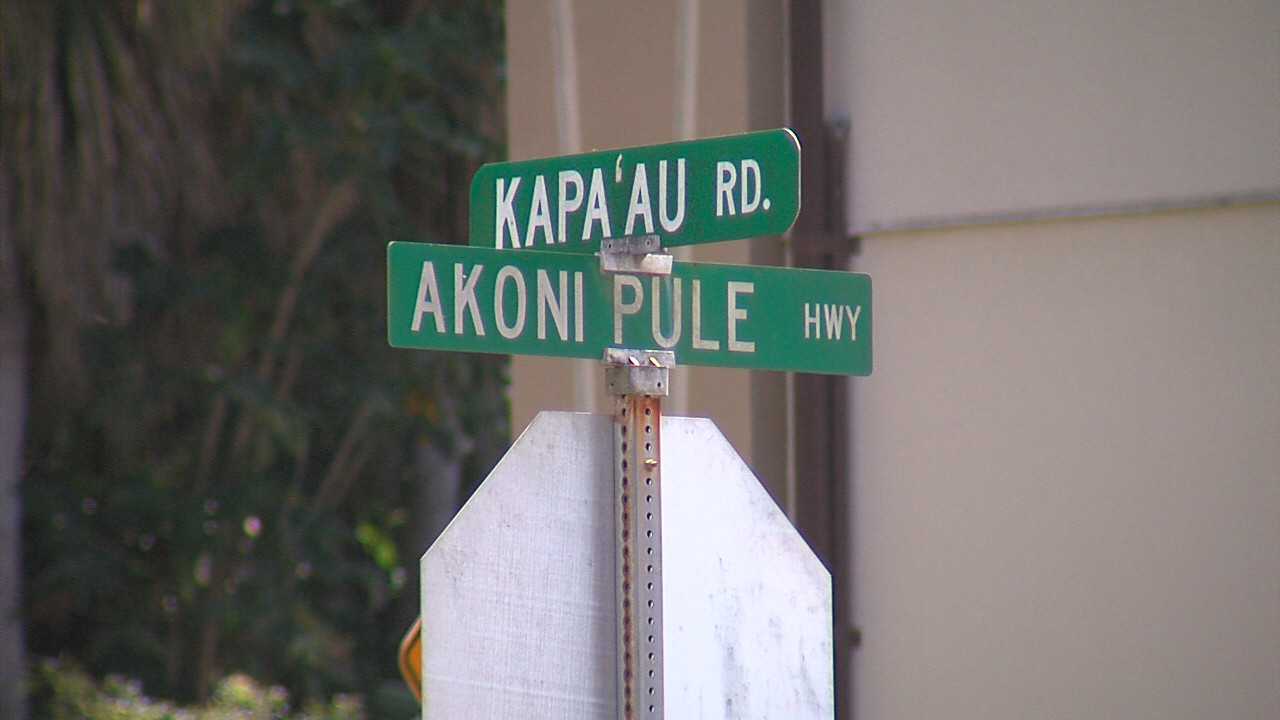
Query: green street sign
{"x": 469, "y": 299}
{"x": 700, "y": 191}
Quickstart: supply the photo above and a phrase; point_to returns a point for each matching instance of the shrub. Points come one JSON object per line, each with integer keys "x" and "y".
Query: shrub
{"x": 64, "y": 691}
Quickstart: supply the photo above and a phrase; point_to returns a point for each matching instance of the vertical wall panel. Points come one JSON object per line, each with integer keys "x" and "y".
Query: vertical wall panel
{"x": 1068, "y": 470}
{"x": 990, "y": 106}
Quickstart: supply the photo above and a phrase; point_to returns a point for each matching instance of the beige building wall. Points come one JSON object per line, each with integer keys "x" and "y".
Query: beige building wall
{"x": 1066, "y": 478}
{"x": 1066, "y": 473}
{"x": 977, "y": 108}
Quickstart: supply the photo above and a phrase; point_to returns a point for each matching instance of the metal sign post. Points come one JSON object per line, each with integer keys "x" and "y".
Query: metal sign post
{"x": 638, "y": 380}
{"x": 522, "y": 610}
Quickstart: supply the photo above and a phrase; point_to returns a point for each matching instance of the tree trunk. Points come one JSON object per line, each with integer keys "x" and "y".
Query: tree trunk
{"x": 14, "y": 321}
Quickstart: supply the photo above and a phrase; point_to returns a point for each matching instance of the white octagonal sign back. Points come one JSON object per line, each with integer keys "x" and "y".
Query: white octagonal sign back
{"x": 518, "y": 593}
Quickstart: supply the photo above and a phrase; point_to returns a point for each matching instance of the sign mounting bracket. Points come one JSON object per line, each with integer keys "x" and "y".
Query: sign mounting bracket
{"x": 637, "y": 255}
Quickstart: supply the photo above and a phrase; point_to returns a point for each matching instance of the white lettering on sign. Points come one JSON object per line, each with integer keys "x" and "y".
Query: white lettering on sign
{"x": 505, "y": 220}
{"x": 539, "y": 218}
{"x": 666, "y": 342}
{"x": 554, "y": 300}
{"x": 597, "y": 208}
{"x": 464, "y": 297}
{"x": 556, "y": 202}
{"x": 666, "y": 295}
{"x": 698, "y": 342}
{"x": 639, "y": 207}
{"x": 620, "y": 307}
{"x": 568, "y": 203}
{"x": 823, "y": 321}
{"x": 508, "y": 274}
{"x": 548, "y": 302}
{"x": 673, "y": 223}
{"x": 580, "y": 316}
{"x": 428, "y": 299}
{"x": 539, "y": 213}
{"x": 737, "y": 315}
{"x": 748, "y": 180}
{"x": 558, "y": 305}
{"x": 726, "y": 178}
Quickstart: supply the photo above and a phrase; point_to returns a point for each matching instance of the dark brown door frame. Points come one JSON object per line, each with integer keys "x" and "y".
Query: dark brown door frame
{"x": 821, "y": 402}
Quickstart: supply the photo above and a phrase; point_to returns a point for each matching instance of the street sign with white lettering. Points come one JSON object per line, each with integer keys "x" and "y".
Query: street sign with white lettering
{"x": 470, "y": 299}
{"x": 700, "y": 191}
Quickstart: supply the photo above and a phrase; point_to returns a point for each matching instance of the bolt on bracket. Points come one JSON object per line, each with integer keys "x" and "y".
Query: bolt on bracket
{"x": 636, "y": 255}
{"x": 637, "y": 372}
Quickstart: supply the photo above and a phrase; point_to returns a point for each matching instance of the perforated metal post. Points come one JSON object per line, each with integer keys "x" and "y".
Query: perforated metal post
{"x": 638, "y": 380}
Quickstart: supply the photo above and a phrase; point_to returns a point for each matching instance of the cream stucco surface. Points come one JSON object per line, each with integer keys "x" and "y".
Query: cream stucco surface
{"x": 1067, "y": 477}
{"x": 985, "y": 107}
{"x": 1066, "y": 465}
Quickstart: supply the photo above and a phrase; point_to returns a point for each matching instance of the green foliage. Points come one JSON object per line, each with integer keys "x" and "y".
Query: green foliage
{"x": 233, "y": 481}
{"x": 65, "y": 692}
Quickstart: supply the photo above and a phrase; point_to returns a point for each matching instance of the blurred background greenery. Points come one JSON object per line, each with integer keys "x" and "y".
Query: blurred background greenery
{"x": 224, "y": 467}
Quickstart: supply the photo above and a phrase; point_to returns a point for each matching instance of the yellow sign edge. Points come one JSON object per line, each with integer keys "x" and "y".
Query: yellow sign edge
{"x": 411, "y": 659}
